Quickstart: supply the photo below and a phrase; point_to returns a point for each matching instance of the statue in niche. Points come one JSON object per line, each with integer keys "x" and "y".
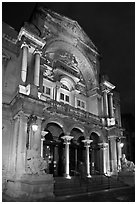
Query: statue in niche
{"x": 127, "y": 166}
{"x": 35, "y": 163}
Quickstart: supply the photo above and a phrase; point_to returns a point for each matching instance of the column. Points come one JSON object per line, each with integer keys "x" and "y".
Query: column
{"x": 87, "y": 145}
{"x": 93, "y": 160}
{"x": 43, "y": 133}
{"x": 37, "y": 67}
{"x": 105, "y": 157}
{"x": 42, "y": 140}
{"x": 67, "y": 142}
{"x": 105, "y": 101}
{"x": 24, "y": 61}
{"x": 113, "y": 158}
{"x": 21, "y": 145}
{"x": 76, "y": 158}
{"x": 108, "y": 158}
{"x": 14, "y": 142}
{"x": 111, "y": 105}
{"x": 119, "y": 154}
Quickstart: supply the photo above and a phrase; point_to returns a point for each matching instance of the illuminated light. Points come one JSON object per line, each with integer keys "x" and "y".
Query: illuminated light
{"x": 121, "y": 145}
{"x": 34, "y": 127}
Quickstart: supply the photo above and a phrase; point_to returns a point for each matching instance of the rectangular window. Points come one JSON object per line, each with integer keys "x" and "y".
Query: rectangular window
{"x": 78, "y": 103}
{"x": 67, "y": 98}
{"x": 43, "y": 89}
{"x": 47, "y": 90}
{"x": 62, "y": 96}
{"x": 81, "y": 104}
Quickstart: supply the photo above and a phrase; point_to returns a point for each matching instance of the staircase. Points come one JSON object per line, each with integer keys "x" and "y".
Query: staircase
{"x": 76, "y": 185}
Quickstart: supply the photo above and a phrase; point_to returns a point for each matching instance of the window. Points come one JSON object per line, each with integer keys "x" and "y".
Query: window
{"x": 62, "y": 96}
{"x": 81, "y": 104}
{"x": 47, "y": 90}
{"x": 78, "y": 102}
{"x": 67, "y": 98}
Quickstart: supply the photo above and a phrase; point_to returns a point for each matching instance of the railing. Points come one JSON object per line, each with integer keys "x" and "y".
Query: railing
{"x": 65, "y": 109}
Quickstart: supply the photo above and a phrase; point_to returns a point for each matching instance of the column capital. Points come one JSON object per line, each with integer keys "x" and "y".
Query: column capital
{"x": 106, "y": 90}
{"x": 37, "y": 51}
{"x": 24, "y": 44}
{"x": 111, "y": 94}
{"x": 87, "y": 142}
{"x": 103, "y": 145}
{"x": 67, "y": 139}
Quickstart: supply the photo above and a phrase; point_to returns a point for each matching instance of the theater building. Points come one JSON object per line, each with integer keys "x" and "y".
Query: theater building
{"x": 57, "y": 110}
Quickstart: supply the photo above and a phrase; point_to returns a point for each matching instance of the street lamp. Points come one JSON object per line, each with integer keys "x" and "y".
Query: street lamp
{"x": 33, "y": 123}
{"x": 121, "y": 144}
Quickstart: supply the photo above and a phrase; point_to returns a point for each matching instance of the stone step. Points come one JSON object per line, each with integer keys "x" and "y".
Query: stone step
{"x": 64, "y": 186}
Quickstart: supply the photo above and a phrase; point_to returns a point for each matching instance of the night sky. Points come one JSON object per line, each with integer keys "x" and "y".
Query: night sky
{"x": 111, "y": 27}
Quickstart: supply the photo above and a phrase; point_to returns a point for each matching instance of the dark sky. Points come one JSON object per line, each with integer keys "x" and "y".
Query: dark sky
{"x": 111, "y": 26}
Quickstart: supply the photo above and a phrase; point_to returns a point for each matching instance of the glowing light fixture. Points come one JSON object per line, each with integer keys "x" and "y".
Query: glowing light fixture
{"x": 121, "y": 145}
{"x": 33, "y": 123}
{"x": 34, "y": 127}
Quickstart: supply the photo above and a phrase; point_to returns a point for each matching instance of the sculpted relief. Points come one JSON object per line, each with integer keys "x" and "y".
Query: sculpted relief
{"x": 35, "y": 163}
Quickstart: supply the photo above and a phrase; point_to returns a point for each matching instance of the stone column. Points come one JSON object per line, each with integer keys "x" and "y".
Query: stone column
{"x": 108, "y": 158}
{"x": 87, "y": 145}
{"x": 111, "y": 105}
{"x": 113, "y": 153}
{"x": 14, "y": 140}
{"x": 76, "y": 159}
{"x": 42, "y": 140}
{"x": 24, "y": 61}
{"x": 105, "y": 157}
{"x": 43, "y": 133}
{"x": 37, "y": 67}
{"x": 67, "y": 142}
{"x": 119, "y": 154}
{"x": 21, "y": 145}
{"x": 105, "y": 102}
{"x": 93, "y": 160}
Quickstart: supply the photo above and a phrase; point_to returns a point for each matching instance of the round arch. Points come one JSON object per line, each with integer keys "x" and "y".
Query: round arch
{"x": 79, "y": 127}
{"x": 55, "y": 120}
{"x": 98, "y": 132}
{"x": 84, "y": 65}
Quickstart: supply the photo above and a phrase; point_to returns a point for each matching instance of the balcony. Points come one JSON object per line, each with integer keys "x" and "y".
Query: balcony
{"x": 72, "y": 112}
{"x": 53, "y": 106}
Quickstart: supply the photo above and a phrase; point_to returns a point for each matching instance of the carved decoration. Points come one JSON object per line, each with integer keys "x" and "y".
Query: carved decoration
{"x": 35, "y": 163}
{"x": 127, "y": 165}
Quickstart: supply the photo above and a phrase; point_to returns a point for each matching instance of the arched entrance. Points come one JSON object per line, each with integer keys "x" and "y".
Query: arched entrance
{"x": 76, "y": 150}
{"x": 96, "y": 154}
{"x": 53, "y": 149}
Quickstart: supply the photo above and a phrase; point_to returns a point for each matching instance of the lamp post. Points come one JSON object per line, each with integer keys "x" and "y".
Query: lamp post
{"x": 32, "y": 124}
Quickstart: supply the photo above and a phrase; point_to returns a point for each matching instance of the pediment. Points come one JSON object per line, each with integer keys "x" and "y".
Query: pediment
{"x": 52, "y": 23}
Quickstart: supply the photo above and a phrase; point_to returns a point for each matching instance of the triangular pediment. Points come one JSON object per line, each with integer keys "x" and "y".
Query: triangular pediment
{"x": 51, "y": 19}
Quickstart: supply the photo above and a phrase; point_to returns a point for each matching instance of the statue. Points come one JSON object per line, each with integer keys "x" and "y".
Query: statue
{"x": 127, "y": 166}
{"x": 35, "y": 163}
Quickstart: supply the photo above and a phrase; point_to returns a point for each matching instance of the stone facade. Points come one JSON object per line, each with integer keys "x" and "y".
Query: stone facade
{"x": 51, "y": 83}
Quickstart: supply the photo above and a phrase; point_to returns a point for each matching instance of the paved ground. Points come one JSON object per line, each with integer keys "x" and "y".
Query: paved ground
{"x": 119, "y": 195}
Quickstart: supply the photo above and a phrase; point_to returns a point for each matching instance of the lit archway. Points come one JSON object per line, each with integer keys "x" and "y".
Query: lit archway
{"x": 53, "y": 148}
{"x": 76, "y": 149}
{"x": 96, "y": 154}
